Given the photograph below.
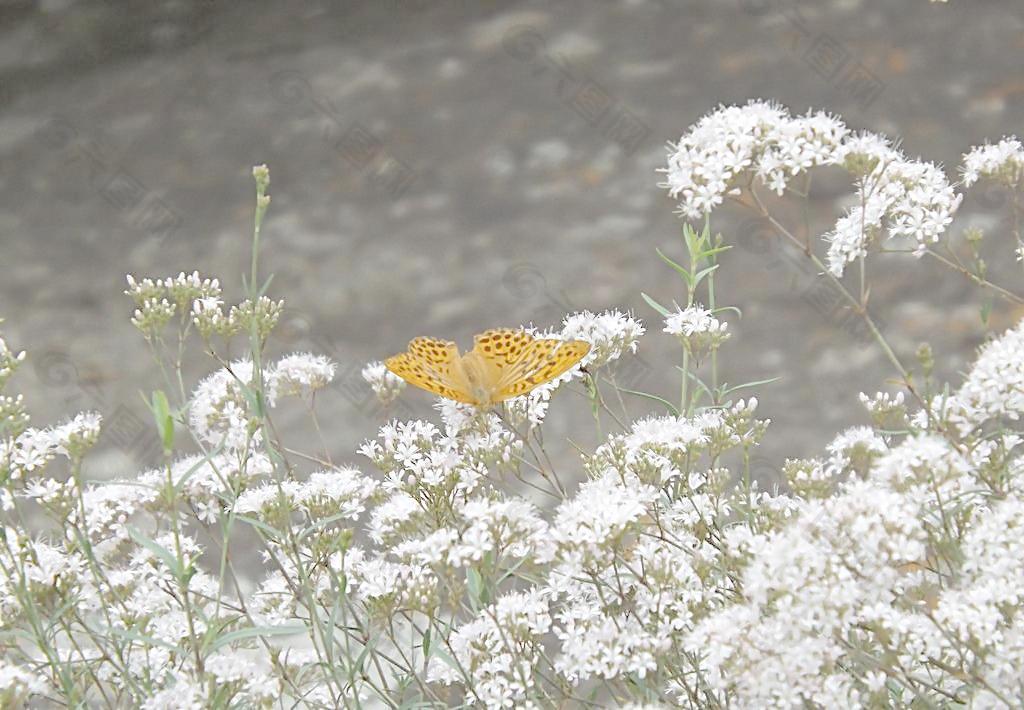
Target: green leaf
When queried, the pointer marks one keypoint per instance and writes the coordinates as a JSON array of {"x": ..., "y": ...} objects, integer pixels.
[
  {"x": 161, "y": 552},
  {"x": 986, "y": 311},
  {"x": 654, "y": 304},
  {"x": 252, "y": 398},
  {"x": 140, "y": 638},
  {"x": 358, "y": 664},
  {"x": 511, "y": 571},
  {"x": 441, "y": 653},
  {"x": 720, "y": 309},
  {"x": 257, "y": 632},
  {"x": 699, "y": 382},
  {"x": 263, "y": 289},
  {"x": 702, "y": 274},
  {"x": 161, "y": 409},
  {"x": 755, "y": 383},
  {"x": 682, "y": 271},
  {"x": 180, "y": 483},
  {"x": 426, "y": 643},
  {"x": 475, "y": 584},
  {"x": 260, "y": 525},
  {"x": 717, "y": 250},
  {"x": 656, "y": 398}
]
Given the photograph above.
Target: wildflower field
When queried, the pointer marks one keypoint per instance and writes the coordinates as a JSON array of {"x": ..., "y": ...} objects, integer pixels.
[{"x": 449, "y": 562}]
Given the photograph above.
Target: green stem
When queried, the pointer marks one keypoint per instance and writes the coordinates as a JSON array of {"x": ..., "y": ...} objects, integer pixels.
[
  {"x": 984, "y": 283},
  {"x": 843, "y": 291},
  {"x": 714, "y": 349}
]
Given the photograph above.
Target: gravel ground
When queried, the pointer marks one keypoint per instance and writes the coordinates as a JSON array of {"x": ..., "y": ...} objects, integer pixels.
[{"x": 435, "y": 172}]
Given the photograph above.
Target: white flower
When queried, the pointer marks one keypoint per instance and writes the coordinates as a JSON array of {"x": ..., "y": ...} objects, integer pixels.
[
  {"x": 182, "y": 695},
  {"x": 18, "y": 683},
  {"x": 1003, "y": 162},
  {"x": 33, "y": 449},
  {"x": 589, "y": 525},
  {"x": 338, "y": 494},
  {"x": 597, "y": 644},
  {"x": 903, "y": 197},
  {"x": 9, "y": 361},
  {"x": 219, "y": 412},
  {"x": 995, "y": 384},
  {"x": 760, "y": 137},
  {"x": 298, "y": 375},
  {"x": 888, "y": 413},
  {"x": 611, "y": 335},
  {"x": 499, "y": 649},
  {"x": 510, "y": 528},
  {"x": 384, "y": 383},
  {"x": 205, "y": 481},
  {"x": 698, "y": 329},
  {"x": 856, "y": 447}
]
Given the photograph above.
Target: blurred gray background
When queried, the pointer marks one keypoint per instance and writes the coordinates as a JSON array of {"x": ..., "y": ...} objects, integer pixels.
[{"x": 448, "y": 166}]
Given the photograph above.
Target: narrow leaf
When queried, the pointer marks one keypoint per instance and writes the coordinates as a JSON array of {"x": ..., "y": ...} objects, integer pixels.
[
  {"x": 702, "y": 274},
  {"x": 730, "y": 390},
  {"x": 475, "y": 583},
  {"x": 161, "y": 409},
  {"x": 161, "y": 552},
  {"x": 260, "y": 525},
  {"x": 257, "y": 632},
  {"x": 720, "y": 309},
  {"x": 656, "y": 398},
  {"x": 654, "y": 304},
  {"x": 682, "y": 271}
]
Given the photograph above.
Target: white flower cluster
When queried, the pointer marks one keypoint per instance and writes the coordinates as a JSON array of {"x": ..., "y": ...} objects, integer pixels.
[
  {"x": 1002, "y": 162},
  {"x": 760, "y": 139},
  {"x": 33, "y": 449},
  {"x": 384, "y": 383},
  {"x": 182, "y": 289},
  {"x": 907, "y": 198},
  {"x": 158, "y": 300},
  {"x": 203, "y": 482},
  {"x": 9, "y": 361},
  {"x": 17, "y": 684},
  {"x": 698, "y": 329},
  {"x": 611, "y": 335},
  {"x": 298, "y": 375},
  {"x": 222, "y": 408},
  {"x": 888, "y": 412},
  {"x": 220, "y": 413},
  {"x": 994, "y": 388},
  {"x": 340, "y": 494},
  {"x": 658, "y": 449},
  {"x": 498, "y": 651},
  {"x": 734, "y": 145},
  {"x": 481, "y": 527}
]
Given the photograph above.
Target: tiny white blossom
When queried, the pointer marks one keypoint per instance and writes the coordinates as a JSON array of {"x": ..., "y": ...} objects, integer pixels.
[
  {"x": 298, "y": 375},
  {"x": 384, "y": 383}
]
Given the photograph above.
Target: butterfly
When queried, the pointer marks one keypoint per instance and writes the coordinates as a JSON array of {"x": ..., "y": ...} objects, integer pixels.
[{"x": 503, "y": 363}]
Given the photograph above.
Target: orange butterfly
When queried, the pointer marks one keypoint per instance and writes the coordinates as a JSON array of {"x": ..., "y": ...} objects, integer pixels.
[{"x": 503, "y": 363}]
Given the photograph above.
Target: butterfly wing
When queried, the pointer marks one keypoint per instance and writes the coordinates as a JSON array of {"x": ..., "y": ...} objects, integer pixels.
[
  {"x": 522, "y": 362},
  {"x": 433, "y": 365}
]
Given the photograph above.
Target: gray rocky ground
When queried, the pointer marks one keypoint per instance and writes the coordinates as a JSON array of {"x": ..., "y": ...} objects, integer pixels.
[{"x": 433, "y": 173}]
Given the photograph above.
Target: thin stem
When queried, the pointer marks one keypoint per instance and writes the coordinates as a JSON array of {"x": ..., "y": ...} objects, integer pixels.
[
  {"x": 850, "y": 298},
  {"x": 984, "y": 283}
]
